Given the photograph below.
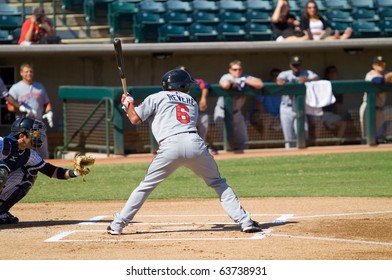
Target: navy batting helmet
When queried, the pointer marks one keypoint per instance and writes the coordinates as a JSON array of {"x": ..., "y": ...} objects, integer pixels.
[
  {"x": 177, "y": 79},
  {"x": 32, "y": 128}
]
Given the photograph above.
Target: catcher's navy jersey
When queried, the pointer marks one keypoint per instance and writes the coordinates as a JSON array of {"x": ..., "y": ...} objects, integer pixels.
[{"x": 14, "y": 158}]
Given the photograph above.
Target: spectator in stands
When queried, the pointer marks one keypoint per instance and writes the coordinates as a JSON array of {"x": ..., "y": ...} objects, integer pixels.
[
  {"x": 288, "y": 106},
  {"x": 237, "y": 81},
  {"x": 285, "y": 26},
  {"x": 34, "y": 100},
  {"x": 316, "y": 26},
  {"x": 333, "y": 114},
  {"x": 36, "y": 29},
  {"x": 378, "y": 76},
  {"x": 202, "y": 122},
  {"x": 267, "y": 107}
]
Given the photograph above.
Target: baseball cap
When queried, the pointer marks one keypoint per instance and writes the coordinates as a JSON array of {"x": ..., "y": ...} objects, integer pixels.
[
  {"x": 295, "y": 60},
  {"x": 378, "y": 59},
  {"x": 38, "y": 11}
]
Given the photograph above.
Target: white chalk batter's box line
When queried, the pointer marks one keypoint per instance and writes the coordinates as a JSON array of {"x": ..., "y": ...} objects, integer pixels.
[{"x": 282, "y": 219}]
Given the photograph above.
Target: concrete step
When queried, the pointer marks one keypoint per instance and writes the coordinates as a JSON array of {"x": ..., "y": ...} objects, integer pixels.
[{"x": 96, "y": 32}]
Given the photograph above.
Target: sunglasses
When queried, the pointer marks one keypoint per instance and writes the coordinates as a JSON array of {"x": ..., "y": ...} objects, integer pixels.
[{"x": 236, "y": 69}]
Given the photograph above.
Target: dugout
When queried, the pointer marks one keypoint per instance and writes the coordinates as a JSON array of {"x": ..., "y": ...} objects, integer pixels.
[{"x": 94, "y": 65}]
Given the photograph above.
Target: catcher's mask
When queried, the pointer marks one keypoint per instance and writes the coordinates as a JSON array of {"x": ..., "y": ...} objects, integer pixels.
[
  {"x": 34, "y": 129},
  {"x": 177, "y": 79}
]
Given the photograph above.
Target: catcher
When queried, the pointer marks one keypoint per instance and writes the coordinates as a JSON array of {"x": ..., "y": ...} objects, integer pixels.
[{"x": 20, "y": 163}]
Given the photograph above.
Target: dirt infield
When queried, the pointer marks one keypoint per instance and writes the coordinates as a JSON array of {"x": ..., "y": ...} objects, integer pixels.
[{"x": 198, "y": 229}]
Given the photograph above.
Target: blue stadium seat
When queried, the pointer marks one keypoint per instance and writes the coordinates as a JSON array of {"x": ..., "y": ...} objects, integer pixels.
[
  {"x": 206, "y": 17},
  {"x": 365, "y": 14},
  {"x": 10, "y": 22},
  {"x": 96, "y": 10},
  {"x": 384, "y": 3},
  {"x": 5, "y": 37},
  {"x": 320, "y": 5},
  {"x": 338, "y": 25},
  {"x": 120, "y": 17},
  {"x": 231, "y": 16},
  {"x": 146, "y": 24},
  {"x": 152, "y": 6},
  {"x": 386, "y": 28},
  {"x": 173, "y": 33},
  {"x": 259, "y": 5},
  {"x": 203, "y": 33},
  {"x": 385, "y": 13},
  {"x": 258, "y": 16},
  {"x": 338, "y": 15},
  {"x": 294, "y": 7},
  {"x": 205, "y": 5},
  {"x": 178, "y": 5},
  {"x": 9, "y": 9},
  {"x": 365, "y": 29},
  {"x": 178, "y": 18},
  {"x": 367, "y": 4},
  {"x": 231, "y": 32},
  {"x": 338, "y": 4},
  {"x": 258, "y": 32},
  {"x": 232, "y": 5}
]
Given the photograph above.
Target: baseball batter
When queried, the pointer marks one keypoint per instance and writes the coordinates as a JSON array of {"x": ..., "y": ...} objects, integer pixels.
[{"x": 172, "y": 114}]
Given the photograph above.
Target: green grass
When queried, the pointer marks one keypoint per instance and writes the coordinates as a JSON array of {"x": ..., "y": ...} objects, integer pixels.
[{"x": 350, "y": 174}]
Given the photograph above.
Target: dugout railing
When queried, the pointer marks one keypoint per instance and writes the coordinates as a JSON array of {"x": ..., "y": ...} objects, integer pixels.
[{"x": 86, "y": 126}]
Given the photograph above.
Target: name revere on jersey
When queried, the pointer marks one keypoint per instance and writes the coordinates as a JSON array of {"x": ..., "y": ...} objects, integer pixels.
[{"x": 169, "y": 113}]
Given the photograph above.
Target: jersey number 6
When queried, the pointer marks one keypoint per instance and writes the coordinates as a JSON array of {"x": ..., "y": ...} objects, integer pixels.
[{"x": 182, "y": 113}]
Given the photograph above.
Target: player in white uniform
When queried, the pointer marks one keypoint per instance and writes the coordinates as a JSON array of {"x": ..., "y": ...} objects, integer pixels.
[{"x": 172, "y": 114}]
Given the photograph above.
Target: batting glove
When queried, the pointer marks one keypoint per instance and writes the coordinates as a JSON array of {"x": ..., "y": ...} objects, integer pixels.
[
  {"x": 126, "y": 101},
  {"x": 49, "y": 117}
]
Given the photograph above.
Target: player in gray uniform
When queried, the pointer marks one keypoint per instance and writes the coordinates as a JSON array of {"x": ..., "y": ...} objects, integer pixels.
[
  {"x": 172, "y": 114},
  {"x": 235, "y": 79},
  {"x": 20, "y": 164},
  {"x": 33, "y": 96},
  {"x": 5, "y": 94},
  {"x": 287, "y": 105}
]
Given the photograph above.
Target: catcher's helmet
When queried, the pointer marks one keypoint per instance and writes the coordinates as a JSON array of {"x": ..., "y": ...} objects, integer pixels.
[
  {"x": 177, "y": 79},
  {"x": 32, "y": 128}
]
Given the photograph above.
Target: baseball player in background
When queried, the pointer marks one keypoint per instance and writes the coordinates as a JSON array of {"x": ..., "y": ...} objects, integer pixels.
[
  {"x": 173, "y": 115},
  {"x": 235, "y": 79},
  {"x": 33, "y": 99},
  {"x": 8, "y": 98},
  {"x": 20, "y": 164}
]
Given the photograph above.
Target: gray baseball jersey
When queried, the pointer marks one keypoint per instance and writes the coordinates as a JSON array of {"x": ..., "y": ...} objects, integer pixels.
[
  {"x": 34, "y": 96},
  {"x": 173, "y": 116}
]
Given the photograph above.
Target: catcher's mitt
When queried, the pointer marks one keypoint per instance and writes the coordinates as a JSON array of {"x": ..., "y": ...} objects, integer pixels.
[{"x": 81, "y": 162}]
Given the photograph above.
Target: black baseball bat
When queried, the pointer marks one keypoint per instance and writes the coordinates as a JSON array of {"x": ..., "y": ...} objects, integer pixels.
[{"x": 120, "y": 63}]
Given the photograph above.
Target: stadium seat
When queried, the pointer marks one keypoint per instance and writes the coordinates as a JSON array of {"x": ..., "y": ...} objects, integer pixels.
[
  {"x": 231, "y": 32},
  {"x": 340, "y": 26},
  {"x": 178, "y": 5},
  {"x": 320, "y": 5},
  {"x": 96, "y": 10},
  {"x": 259, "y": 5},
  {"x": 146, "y": 24},
  {"x": 10, "y": 22},
  {"x": 232, "y": 5},
  {"x": 367, "y": 4},
  {"x": 206, "y": 17},
  {"x": 258, "y": 16},
  {"x": 9, "y": 9},
  {"x": 5, "y": 37},
  {"x": 205, "y": 5},
  {"x": 386, "y": 28},
  {"x": 203, "y": 33},
  {"x": 365, "y": 14},
  {"x": 173, "y": 33},
  {"x": 385, "y": 13},
  {"x": 338, "y": 15},
  {"x": 71, "y": 5},
  {"x": 338, "y": 4},
  {"x": 294, "y": 7},
  {"x": 235, "y": 17},
  {"x": 120, "y": 17},
  {"x": 258, "y": 31},
  {"x": 178, "y": 18},
  {"x": 365, "y": 29},
  {"x": 384, "y": 3},
  {"x": 152, "y": 6}
]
